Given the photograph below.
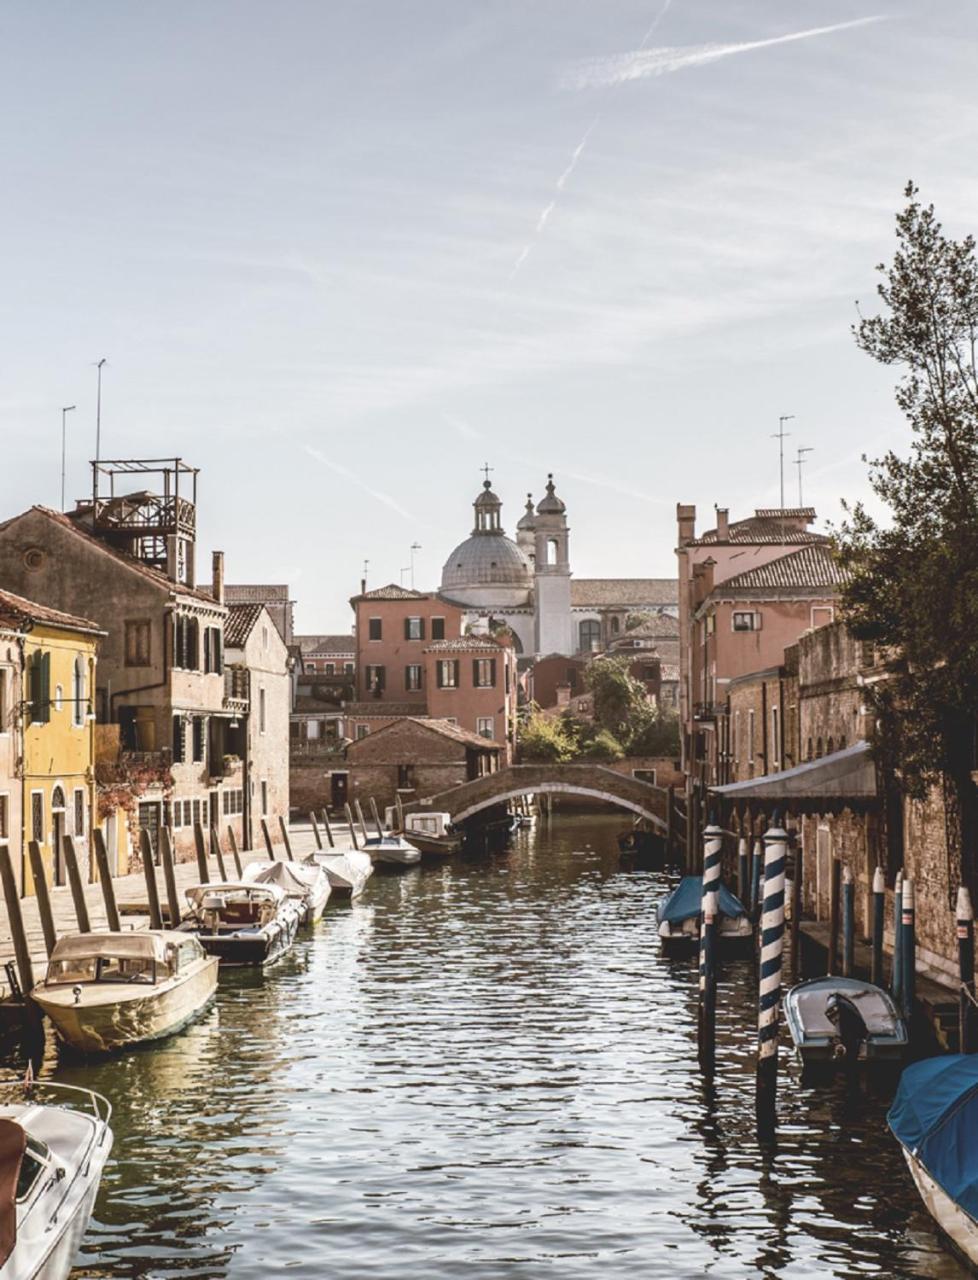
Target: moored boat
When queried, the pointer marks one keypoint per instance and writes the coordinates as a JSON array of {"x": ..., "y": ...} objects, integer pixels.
[
  {"x": 107, "y": 991},
  {"x": 241, "y": 923},
  {"x": 934, "y": 1117},
  {"x": 391, "y": 851},
  {"x": 51, "y": 1162},
  {"x": 305, "y": 883},
  {"x": 432, "y": 834},
  {"x": 639, "y": 843},
  {"x": 346, "y": 872},
  {"x": 678, "y": 916},
  {"x": 844, "y": 1019}
]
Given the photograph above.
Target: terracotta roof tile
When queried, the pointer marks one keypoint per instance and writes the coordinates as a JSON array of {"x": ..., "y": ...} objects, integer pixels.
[
  {"x": 624, "y": 591},
  {"x": 392, "y": 592},
  {"x": 442, "y": 727},
  {"x": 317, "y": 646},
  {"x": 764, "y": 526},
  {"x": 239, "y": 622},
  {"x": 812, "y": 567},
  {"x": 17, "y": 612}
]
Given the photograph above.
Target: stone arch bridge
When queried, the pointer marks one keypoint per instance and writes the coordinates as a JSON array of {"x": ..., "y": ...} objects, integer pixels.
[{"x": 591, "y": 780}]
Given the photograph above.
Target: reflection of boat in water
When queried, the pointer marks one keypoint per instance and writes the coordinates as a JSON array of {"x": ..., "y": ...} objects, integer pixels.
[
  {"x": 934, "y": 1117},
  {"x": 51, "y": 1162},
  {"x": 106, "y": 991},
  {"x": 306, "y": 884},
  {"x": 347, "y": 872},
  {"x": 242, "y": 923},
  {"x": 678, "y": 916},
  {"x": 835, "y": 1019}
]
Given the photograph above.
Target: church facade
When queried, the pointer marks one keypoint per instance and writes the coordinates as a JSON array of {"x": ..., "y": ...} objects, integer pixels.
[{"x": 527, "y": 584}]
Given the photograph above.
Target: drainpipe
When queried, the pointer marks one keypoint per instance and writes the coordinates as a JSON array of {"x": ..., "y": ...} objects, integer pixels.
[{"x": 764, "y": 733}]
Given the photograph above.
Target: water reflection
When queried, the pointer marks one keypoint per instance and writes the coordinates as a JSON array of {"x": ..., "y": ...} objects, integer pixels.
[{"x": 488, "y": 1066}]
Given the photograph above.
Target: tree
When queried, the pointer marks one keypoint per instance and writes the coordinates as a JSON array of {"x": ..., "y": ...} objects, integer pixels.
[
  {"x": 913, "y": 582},
  {"x": 616, "y": 696},
  {"x": 545, "y": 739},
  {"x": 658, "y": 737},
  {"x": 602, "y": 747}
]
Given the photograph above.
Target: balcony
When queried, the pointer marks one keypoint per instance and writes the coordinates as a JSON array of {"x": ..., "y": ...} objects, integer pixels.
[
  {"x": 708, "y": 712},
  {"x": 237, "y": 690}
]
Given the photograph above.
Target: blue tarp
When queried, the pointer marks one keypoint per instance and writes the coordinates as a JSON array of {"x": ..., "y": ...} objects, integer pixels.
[
  {"x": 686, "y": 900},
  {"x": 935, "y": 1115}
]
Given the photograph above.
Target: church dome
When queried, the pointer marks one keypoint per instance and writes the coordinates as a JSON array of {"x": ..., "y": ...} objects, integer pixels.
[
  {"x": 486, "y": 559},
  {"x": 526, "y": 520}
]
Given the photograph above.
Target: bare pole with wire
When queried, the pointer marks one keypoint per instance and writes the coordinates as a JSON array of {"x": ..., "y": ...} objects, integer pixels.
[
  {"x": 415, "y": 546},
  {"x": 799, "y": 463},
  {"x": 98, "y": 412},
  {"x": 68, "y": 408},
  {"x": 781, "y": 435}
]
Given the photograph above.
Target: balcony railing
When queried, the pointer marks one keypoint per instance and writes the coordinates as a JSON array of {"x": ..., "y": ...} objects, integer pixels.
[
  {"x": 706, "y": 711},
  {"x": 237, "y": 689}
]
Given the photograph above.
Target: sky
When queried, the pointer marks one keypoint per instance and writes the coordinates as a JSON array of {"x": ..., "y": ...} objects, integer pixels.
[{"x": 339, "y": 255}]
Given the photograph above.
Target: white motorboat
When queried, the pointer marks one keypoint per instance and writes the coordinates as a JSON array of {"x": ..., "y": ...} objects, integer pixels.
[
  {"x": 833, "y": 1019},
  {"x": 305, "y": 884},
  {"x": 432, "y": 834},
  {"x": 391, "y": 851},
  {"x": 241, "y": 923},
  {"x": 347, "y": 872},
  {"x": 106, "y": 991},
  {"x": 51, "y": 1162}
]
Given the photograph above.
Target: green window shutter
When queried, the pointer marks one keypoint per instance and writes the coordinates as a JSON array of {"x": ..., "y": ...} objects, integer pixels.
[
  {"x": 407, "y": 628},
  {"x": 492, "y": 672},
  {"x": 439, "y": 675},
  {"x": 475, "y": 673},
  {"x": 208, "y": 633},
  {"x": 45, "y": 689},
  {"x": 422, "y": 628}
]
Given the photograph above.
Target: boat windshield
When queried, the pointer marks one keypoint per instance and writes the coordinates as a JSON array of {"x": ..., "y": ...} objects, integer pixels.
[
  {"x": 36, "y": 1159},
  {"x": 101, "y": 969}
]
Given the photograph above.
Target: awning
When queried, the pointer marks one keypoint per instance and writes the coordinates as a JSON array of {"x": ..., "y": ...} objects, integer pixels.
[{"x": 849, "y": 774}]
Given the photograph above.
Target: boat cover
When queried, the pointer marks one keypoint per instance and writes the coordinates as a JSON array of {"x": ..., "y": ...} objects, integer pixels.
[
  {"x": 935, "y": 1116},
  {"x": 296, "y": 878},
  {"x": 686, "y": 901},
  {"x": 232, "y": 890},
  {"x": 135, "y": 945}
]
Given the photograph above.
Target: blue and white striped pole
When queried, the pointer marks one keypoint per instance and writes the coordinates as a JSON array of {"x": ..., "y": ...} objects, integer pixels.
[
  {"x": 772, "y": 948},
  {"x": 755, "y": 881},
  {"x": 709, "y": 924}
]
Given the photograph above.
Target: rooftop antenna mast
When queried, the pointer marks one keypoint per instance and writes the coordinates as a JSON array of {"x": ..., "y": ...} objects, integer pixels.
[
  {"x": 799, "y": 463},
  {"x": 363, "y": 580},
  {"x": 415, "y": 546},
  {"x": 69, "y": 408},
  {"x": 781, "y": 435},
  {"x": 98, "y": 412}
]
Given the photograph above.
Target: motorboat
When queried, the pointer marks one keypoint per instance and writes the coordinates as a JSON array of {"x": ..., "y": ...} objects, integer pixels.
[
  {"x": 305, "y": 883},
  {"x": 391, "y": 850},
  {"x": 934, "y": 1117},
  {"x": 678, "y": 916},
  {"x": 108, "y": 991},
  {"x": 347, "y": 872},
  {"x": 432, "y": 834},
  {"x": 639, "y": 843},
  {"x": 242, "y": 923},
  {"x": 844, "y": 1020},
  {"x": 52, "y": 1155}
]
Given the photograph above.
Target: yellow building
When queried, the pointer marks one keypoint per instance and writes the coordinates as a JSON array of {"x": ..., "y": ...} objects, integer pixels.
[{"x": 54, "y": 718}]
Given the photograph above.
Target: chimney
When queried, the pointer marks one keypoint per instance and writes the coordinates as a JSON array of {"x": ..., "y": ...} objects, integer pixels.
[
  {"x": 363, "y": 586},
  {"x": 723, "y": 523},
  {"x": 217, "y": 589},
  {"x": 686, "y": 519}
]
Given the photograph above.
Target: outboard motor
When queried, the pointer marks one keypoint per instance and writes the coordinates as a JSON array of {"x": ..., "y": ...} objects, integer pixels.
[{"x": 848, "y": 1021}]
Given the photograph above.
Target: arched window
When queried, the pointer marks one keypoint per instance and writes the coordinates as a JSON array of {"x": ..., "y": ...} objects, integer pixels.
[
  {"x": 590, "y": 635},
  {"x": 818, "y": 749},
  {"x": 78, "y": 692},
  {"x": 809, "y": 756},
  {"x": 615, "y": 625},
  {"x": 830, "y": 746}
]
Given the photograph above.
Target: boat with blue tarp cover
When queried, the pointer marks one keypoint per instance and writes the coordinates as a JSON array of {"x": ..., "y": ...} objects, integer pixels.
[
  {"x": 678, "y": 915},
  {"x": 934, "y": 1117}
]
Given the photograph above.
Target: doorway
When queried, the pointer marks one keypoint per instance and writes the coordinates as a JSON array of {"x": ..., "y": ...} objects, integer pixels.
[
  {"x": 57, "y": 834},
  {"x": 339, "y": 784}
]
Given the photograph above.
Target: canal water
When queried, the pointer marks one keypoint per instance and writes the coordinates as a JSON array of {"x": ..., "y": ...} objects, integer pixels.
[{"x": 486, "y": 1069}]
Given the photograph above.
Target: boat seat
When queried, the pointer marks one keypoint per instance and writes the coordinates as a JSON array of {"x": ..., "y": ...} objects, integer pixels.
[
  {"x": 13, "y": 1142},
  {"x": 873, "y": 1010}
]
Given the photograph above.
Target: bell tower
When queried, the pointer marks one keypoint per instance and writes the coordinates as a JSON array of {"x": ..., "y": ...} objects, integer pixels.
[{"x": 554, "y": 627}]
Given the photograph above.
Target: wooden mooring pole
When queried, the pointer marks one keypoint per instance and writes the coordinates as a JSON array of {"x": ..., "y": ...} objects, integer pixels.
[
  {"x": 376, "y": 817},
  {"x": 43, "y": 896},
  {"x": 797, "y": 883},
  {"x": 149, "y": 871},
  {"x": 216, "y": 853},
  {"x": 896, "y": 974},
  {"x": 233, "y": 846},
  {"x": 670, "y": 820},
  {"x": 879, "y": 918},
  {"x": 848, "y": 921},
  {"x": 315, "y": 831},
  {"x": 363, "y": 826},
  {"x": 965, "y": 929},
  {"x": 353, "y": 831},
  {"x": 835, "y": 907},
  {"x": 328, "y": 829},
  {"x": 769, "y": 994},
  {"x": 908, "y": 916},
  {"x": 743, "y": 871},
  {"x": 75, "y": 881},
  {"x": 105, "y": 880},
  {"x": 267, "y": 837},
  {"x": 169, "y": 879},
  {"x": 201, "y": 851},
  {"x": 18, "y": 934},
  {"x": 283, "y": 826},
  {"x": 709, "y": 923}
]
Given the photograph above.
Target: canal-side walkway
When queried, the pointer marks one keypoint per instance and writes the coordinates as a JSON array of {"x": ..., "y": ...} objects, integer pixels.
[{"x": 130, "y": 895}]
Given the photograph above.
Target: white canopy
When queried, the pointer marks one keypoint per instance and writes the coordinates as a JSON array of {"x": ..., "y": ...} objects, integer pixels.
[
  {"x": 294, "y": 878},
  {"x": 236, "y": 889},
  {"x": 141, "y": 945}
]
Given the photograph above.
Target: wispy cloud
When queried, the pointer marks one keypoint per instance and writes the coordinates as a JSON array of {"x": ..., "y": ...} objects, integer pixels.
[
  {"x": 641, "y": 64},
  {"x": 377, "y": 494}
]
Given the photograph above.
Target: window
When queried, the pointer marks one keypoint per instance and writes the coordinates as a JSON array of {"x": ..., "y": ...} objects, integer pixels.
[
  {"x": 138, "y": 643},
  {"x": 79, "y": 814},
  {"x": 750, "y": 738},
  {"x": 484, "y": 673},
  {"x": 37, "y": 816},
  {"x": 746, "y": 621},
  {"x": 405, "y": 777},
  {"x": 414, "y": 628},
  {"x": 4, "y": 816},
  {"x": 199, "y": 725},
  {"x": 264, "y": 637},
  {"x": 264, "y": 797},
  {"x": 375, "y": 680},
  {"x": 78, "y": 693},
  {"x": 58, "y": 697},
  {"x": 177, "y": 814},
  {"x": 4, "y": 727},
  {"x": 188, "y": 813},
  {"x": 213, "y": 651},
  {"x": 348, "y": 669},
  {"x": 644, "y": 775},
  {"x": 589, "y": 632},
  {"x": 412, "y": 678},
  {"x": 822, "y": 615},
  {"x": 438, "y": 628},
  {"x": 484, "y": 727},
  {"x": 446, "y": 670},
  {"x": 776, "y": 737},
  {"x": 362, "y": 731},
  {"x": 375, "y": 629},
  {"x": 330, "y": 669},
  {"x": 39, "y": 684},
  {"x": 179, "y": 740},
  {"x": 186, "y": 643},
  {"x": 615, "y": 625},
  {"x": 261, "y": 711}
]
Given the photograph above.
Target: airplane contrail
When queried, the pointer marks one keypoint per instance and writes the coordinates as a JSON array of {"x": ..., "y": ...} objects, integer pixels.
[
  {"x": 641, "y": 64},
  {"x": 576, "y": 154},
  {"x": 377, "y": 494}
]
